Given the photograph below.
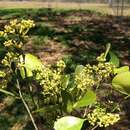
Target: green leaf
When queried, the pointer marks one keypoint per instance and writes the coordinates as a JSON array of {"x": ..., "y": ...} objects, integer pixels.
[
  {"x": 114, "y": 59},
  {"x": 108, "y": 46},
  {"x": 69, "y": 106},
  {"x": 121, "y": 82},
  {"x": 31, "y": 63},
  {"x": 67, "y": 101},
  {"x": 25, "y": 72},
  {"x": 121, "y": 69},
  {"x": 79, "y": 69},
  {"x": 2, "y": 74},
  {"x": 88, "y": 99},
  {"x": 69, "y": 123},
  {"x": 65, "y": 81}
]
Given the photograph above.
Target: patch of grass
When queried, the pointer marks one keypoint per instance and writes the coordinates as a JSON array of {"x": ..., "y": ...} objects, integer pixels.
[
  {"x": 39, "y": 40},
  {"x": 43, "y": 30}
]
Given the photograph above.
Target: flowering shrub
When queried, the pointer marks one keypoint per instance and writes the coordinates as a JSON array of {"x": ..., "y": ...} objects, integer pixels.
[{"x": 59, "y": 91}]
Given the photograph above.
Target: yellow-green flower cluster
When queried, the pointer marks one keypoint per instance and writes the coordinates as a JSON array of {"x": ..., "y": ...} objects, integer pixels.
[
  {"x": 60, "y": 65},
  {"x": 11, "y": 28},
  {"x": 12, "y": 39},
  {"x": 84, "y": 80},
  {"x": 8, "y": 43},
  {"x": 100, "y": 117},
  {"x": 13, "y": 43},
  {"x": 101, "y": 58},
  {"x": 50, "y": 79},
  {"x": 25, "y": 25},
  {"x": 9, "y": 58},
  {"x": 15, "y": 32},
  {"x": 103, "y": 70},
  {"x": 19, "y": 27},
  {"x": 92, "y": 75}
]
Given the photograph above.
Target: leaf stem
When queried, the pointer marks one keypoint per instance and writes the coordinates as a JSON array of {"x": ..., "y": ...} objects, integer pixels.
[
  {"x": 94, "y": 127},
  {"x": 26, "y": 106}
]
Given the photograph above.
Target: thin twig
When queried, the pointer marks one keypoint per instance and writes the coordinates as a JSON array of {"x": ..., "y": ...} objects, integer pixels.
[
  {"x": 31, "y": 95},
  {"x": 85, "y": 112},
  {"x": 94, "y": 127},
  {"x": 26, "y": 106}
]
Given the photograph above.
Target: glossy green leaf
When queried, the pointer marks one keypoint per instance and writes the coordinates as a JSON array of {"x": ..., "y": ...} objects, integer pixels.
[
  {"x": 121, "y": 69},
  {"x": 69, "y": 123},
  {"x": 31, "y": 63},
  {"x": 114, "y": 59},
  {"x": 25, "y": 72},
  {"x": 88, "y": 99},
  {"x": 121, "y": 82},
  {"x": 79, "y": 69}
]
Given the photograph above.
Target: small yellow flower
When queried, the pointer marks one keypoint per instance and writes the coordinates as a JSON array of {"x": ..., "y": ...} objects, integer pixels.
[
  {"x": 100, "y": 117},
  {"x": 8, "y": 43}
]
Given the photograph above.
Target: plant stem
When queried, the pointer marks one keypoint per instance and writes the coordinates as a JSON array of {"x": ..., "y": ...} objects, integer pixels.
[
  {"x": 85, "y": 112},
  {"x": 26, "y": 106},
  {"x": 94, "y": 127},
  {"x": 31, "y": 95}
]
